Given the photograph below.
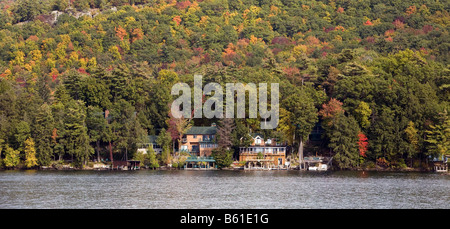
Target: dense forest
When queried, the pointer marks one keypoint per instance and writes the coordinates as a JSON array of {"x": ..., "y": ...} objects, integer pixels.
[{"x": 371, "y": 76}]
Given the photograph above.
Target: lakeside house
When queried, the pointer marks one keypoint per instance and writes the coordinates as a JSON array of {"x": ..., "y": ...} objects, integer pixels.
[
  {"x": 150, "y": 142},
  {"x": 198, "y": 142},
  {"x": 440, "y": 164},
  {"x": 317, "y": 163},
  {"x": 263, "y": 153}
]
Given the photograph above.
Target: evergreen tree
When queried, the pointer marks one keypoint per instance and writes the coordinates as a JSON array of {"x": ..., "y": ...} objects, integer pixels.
[
  {"x": 241, "y": 134},
  {"x": 119, "y": 83},
  {"x": 42, "y": 133},
  {"x": 77, "y": 138},
  {"x": 304, "y": 116},
  {"x": 22, "y": 133},
  {"x": 343, "y": 137},
  {"x": 126, "y": 128},
  {"x": 438, "y": 137},
  {"x": 223, "y": 157},
  {"x": 97, "y": 126},
  {"x": 59, "y": 130},
  {"x": 95, "y": 93},
  {"x": 73, "y": 84},
  {"x": 27, "y": 10},
  {"x": 43, "y": 88},
  {"x": 386, "y": 137}
]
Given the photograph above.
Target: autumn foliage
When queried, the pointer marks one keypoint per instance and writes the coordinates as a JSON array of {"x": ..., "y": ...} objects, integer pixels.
[
  {"x": 363, "y": 144},
  {"x": 330, "y": 110}
]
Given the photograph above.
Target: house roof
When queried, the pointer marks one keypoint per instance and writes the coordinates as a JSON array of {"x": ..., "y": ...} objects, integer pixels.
[
  {"x": 254, "y": 135},
  {"x": 151, "y": 139},
  {"x": 202, "y": 130}
]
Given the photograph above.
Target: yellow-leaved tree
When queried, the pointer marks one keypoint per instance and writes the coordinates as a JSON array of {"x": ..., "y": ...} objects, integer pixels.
[{"x": 30, "y": 153}]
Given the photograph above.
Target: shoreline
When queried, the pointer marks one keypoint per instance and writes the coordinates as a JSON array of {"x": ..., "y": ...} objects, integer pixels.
[{"x": 68, "y": 168}]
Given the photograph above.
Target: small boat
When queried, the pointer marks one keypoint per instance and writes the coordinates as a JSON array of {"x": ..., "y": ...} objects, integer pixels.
[
  {"x": 313, "y": 168},
  {"x": 321, "y": 167}
]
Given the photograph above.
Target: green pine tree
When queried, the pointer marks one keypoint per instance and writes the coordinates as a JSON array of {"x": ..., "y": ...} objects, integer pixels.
[
  {"x": 343, "y": 137},
  {"x": 438, "y": 137},
  {"x": 42, "y": 133},
  {"x": 77, "y": 138}
]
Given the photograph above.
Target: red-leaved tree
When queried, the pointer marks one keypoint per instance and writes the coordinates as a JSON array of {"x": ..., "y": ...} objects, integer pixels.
[
  {"x": 330, "y": 110},
  {"x": 363, "y": 144}
]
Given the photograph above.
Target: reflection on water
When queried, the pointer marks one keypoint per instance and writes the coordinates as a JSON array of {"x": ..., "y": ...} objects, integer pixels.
[{"x": 222, "y": 189}]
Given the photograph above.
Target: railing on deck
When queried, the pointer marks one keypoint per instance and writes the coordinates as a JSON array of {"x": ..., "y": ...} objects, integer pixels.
[{"x": 200, "y": 158}]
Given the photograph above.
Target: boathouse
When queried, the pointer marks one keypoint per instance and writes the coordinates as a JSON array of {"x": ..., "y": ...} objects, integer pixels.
[
  {"x": 317, "y": 163},
  {"x": 199, "y": 163},
  {"x": 440, "y": 164},
  {"x": 126, "y": 165}
]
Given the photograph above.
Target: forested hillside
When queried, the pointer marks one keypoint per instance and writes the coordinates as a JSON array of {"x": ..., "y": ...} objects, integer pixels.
[{"x": 374, "y": 75}]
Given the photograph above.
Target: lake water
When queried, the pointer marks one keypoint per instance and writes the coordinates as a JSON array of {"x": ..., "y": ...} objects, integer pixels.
[{"x": 222, "y": 189}]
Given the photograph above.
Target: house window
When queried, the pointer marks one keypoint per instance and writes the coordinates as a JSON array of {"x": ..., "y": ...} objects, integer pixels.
[
  {"x": 195, "y": 136},
  {"x": 258, "y": 140}
]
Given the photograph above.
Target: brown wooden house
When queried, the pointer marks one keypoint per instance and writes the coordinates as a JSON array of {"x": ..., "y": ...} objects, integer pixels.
[
  {"x": 263, "y": 153},
  {"x": 199, "y": 140}
]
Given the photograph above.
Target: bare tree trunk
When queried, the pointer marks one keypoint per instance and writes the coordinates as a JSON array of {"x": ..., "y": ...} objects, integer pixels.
[
  {"x": 300, "y": 153},
  {"x": 98, "y": 150},
  {"x": 110, "y": 152}
]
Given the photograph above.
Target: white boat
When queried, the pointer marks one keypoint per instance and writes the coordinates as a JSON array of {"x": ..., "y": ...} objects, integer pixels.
[
  {"x": 313, "y": 168},
  {"x": 321, "y": 167}
]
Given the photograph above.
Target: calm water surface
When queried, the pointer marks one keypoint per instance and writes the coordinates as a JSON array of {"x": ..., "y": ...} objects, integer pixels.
[{"x": 222, "y": 189}]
